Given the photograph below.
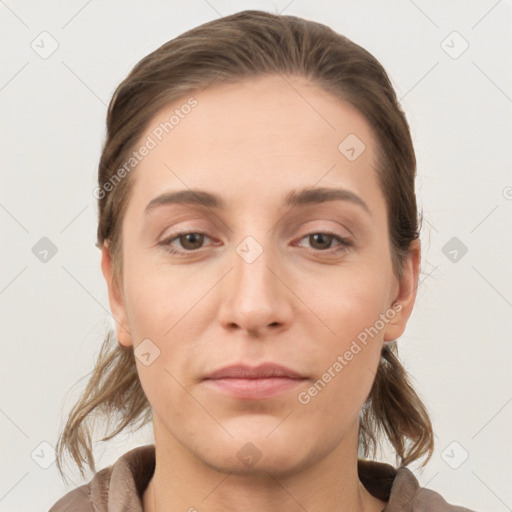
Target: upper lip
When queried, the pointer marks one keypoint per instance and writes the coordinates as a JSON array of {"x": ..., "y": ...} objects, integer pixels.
[{"x": 264, "y": 370}]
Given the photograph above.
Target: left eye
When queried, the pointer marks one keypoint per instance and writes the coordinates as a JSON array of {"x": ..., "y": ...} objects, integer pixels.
[{"x": 325, "y": 239}]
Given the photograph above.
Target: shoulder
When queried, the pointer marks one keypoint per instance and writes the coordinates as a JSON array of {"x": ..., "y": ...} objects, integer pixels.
[
  {"x": 114, "y": 488},
  {"x": 408, "y": 495},
  {"x": 400, "y": 489},
  {"x": 90, "y": 497}
]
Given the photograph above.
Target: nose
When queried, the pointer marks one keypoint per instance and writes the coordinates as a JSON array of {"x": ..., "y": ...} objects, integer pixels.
[{"x": 254, "y": 295}]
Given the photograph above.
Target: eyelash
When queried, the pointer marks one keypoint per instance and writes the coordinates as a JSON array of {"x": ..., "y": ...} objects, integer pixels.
[{"x": 345, "y": 244}]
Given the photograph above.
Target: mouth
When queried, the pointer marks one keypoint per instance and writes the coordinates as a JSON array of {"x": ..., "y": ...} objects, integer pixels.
[{"x": 245, "y": 382}]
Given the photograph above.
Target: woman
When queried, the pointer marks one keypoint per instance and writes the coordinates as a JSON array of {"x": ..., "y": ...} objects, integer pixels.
[{"x": 260, "y": 243}]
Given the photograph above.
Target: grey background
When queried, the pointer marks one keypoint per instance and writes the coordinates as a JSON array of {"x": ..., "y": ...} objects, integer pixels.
[{"x": 54, "y": 312}]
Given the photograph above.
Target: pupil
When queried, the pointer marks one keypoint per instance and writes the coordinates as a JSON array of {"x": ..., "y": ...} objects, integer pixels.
[
  {"x": 321, "y": 235},
  {"x": 191, "y": 238}
]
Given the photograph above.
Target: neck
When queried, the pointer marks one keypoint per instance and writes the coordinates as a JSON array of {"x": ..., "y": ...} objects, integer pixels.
[{"x": 182, "y": 482}]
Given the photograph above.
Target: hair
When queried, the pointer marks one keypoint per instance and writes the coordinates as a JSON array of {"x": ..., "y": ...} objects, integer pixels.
[{"x": 244, "y": 46}]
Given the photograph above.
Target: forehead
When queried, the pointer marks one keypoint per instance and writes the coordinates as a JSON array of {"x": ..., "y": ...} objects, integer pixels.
[{"x": 255, "y": 141}]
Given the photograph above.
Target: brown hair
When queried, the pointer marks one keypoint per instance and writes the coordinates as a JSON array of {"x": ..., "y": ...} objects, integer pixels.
[{"x": 242, "y": 46}]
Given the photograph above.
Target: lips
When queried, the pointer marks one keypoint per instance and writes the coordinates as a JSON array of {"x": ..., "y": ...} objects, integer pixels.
[
  {"x": 265, "y": 381},
  {"x": 265, "y": 370}
]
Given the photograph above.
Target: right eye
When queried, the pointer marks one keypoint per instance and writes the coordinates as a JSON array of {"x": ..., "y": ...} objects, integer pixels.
[{"x": 191, "y": 241}]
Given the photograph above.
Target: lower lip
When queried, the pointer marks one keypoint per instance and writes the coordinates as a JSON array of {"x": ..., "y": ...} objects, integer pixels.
[{"x": 254, "y": 388}]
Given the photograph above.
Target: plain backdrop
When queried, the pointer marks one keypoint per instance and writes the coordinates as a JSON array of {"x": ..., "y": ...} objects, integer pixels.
[{"x": 450, "y": 63}]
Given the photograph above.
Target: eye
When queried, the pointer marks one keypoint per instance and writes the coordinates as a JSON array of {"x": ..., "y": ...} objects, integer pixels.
[
  {"x": 190, "y": 241},
  {"x": 322, "y": 241}
]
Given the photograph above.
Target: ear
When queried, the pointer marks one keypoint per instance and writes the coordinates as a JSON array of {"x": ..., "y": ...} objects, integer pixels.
[
  {"x": 115, "y": 298},
  {"x": 406, "y": 295}
]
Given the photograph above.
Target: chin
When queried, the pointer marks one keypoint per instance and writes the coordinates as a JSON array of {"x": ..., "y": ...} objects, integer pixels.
[
  {"x": 256, "y": 454},
  {"x": 277, "y": 465}
]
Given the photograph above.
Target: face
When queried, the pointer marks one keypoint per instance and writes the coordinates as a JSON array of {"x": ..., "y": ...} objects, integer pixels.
[{"x": 255, "y": 279}]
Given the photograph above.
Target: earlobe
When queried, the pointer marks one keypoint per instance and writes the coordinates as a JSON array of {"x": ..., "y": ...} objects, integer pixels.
[
  {"x": 115, "y": 298},
  {"x": 406, "y": 297}
]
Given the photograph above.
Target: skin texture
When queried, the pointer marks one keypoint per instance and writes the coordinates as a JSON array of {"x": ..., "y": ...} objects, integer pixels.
[{"x": 299, "y": 304}]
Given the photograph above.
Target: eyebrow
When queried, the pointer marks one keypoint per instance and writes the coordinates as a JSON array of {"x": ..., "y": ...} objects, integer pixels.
[{"x": 302, "y": 197}]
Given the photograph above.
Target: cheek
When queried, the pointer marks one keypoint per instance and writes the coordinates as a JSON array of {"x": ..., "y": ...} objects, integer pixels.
[
  {"x": 155, "y": 298},
  {"x": 162, "y": 307},
  {"x": 346, "y": 363},
  {"x": 353, "y": 301},
  {"x": 164, "y": 316},
  {"x": 349, "y": 354},
  {"x": 338, "y": 402}
]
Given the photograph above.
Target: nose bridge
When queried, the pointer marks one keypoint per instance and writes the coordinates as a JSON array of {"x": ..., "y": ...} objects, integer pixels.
[{"x": 253, "y": 297}]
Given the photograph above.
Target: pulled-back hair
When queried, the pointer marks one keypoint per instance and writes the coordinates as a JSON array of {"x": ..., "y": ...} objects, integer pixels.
[{"x": 245, "y": 45}]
